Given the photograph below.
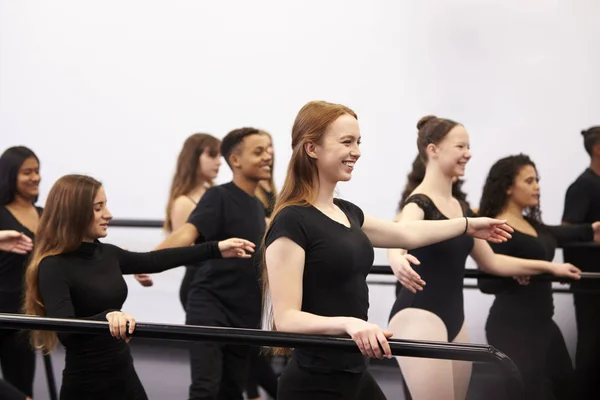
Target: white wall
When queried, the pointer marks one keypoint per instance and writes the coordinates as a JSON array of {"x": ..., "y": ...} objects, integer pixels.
[{"x": 112, "y": 89}]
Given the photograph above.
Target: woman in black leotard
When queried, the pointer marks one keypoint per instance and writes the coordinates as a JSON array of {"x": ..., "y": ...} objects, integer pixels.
[
  {"x": 430, "y": 305},
  {"x": 197, "y": 166},
  {"x": 72, "y": 275},
  {"x": 319, "y": 250},
  {"x": 520, "y": 321}
]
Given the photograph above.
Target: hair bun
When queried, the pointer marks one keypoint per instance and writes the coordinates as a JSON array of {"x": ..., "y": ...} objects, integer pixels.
[
  {"x": 583, "y": 132},
  {"x": 423, "y": 121}
]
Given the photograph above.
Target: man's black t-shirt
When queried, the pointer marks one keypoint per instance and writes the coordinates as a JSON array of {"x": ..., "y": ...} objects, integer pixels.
[
  {"x": 582, "y": 205},
  {"x": 337, "y": 261},
  {"x": 227, "y": 292}
]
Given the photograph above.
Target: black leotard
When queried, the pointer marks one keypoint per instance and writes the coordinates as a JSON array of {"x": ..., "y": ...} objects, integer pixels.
[{"x": 442, "y": 268}]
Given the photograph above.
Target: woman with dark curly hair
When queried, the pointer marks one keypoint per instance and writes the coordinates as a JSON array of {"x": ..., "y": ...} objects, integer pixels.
[{"x": 520, "y": 322}]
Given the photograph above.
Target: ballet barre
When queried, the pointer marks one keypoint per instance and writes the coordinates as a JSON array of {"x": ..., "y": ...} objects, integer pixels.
[
  {"x": 408, "y": 348},
  {"x": 477, "y": 274}
]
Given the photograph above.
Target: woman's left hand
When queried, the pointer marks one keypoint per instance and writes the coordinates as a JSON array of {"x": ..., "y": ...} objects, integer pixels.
[
  {"x": 490, "y": 229},
  {"x": 236, "y": 248}
]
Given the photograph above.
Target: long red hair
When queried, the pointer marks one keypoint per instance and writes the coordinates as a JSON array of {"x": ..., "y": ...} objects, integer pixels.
[{"x": 301, "y": 183}]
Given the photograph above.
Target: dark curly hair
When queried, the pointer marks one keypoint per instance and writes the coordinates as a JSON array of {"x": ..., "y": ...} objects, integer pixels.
[
  {"x": 416, "y": 176},
  {"x": 500, "y": 178}
]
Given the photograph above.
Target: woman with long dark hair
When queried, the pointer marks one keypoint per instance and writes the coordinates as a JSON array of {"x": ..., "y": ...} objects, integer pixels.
[
  {"x": 73, "y": 275},
  {"x": 520, "y": 321},
  {"x": 19, "y": 190}
]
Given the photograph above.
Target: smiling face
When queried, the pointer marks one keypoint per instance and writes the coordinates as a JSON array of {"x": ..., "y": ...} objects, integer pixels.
[
  {"x": 452, "y": 153},
  {"x": 102, "y": 216},
  {"x": 525, "y": 190},
  {"x": 339, "y": 150},
  {"x": 28, "y": 179},
  {"x": 252, "y": 157}
]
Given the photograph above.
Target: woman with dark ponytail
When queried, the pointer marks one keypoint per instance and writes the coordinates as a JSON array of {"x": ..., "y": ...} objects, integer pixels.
[{"x": 436, "y": 311}]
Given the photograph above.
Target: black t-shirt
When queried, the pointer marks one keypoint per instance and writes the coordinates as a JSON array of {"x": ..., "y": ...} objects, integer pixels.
[
  {"x": 88, "y": 284},
  {"x": 12, "y": 266},
  {"x": 227, "y": 292},
  {"x": 582, "y": 205},
  {"x": 533, "y": 301},
  {"x": 337, "y": 261}
]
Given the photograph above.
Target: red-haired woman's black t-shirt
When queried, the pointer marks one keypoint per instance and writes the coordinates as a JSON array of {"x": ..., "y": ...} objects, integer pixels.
[{"x": 337, "y": 261}]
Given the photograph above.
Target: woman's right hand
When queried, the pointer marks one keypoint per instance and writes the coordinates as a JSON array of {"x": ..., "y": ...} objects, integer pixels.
[
  {"x": 236, "y": 248},
  {"x": 404, "y": 272},
  {"x": 117, "y": 323},
  {"x": 369, "y": 337},
  {"x": 566, "y": 270}
]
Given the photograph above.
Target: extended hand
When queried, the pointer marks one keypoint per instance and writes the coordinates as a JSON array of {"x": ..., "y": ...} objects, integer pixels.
[
  {"x": 236, "y": 248},
  {"x": 567, "y": 270},
  {"x": 15, "y": 242},
  {"x": 144, "y": 279},
  {"x": 490, "y": 229}
]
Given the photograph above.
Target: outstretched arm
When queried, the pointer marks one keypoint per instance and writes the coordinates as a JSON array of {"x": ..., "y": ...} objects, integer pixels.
[
  {"x": 502, "y": 265},
  {"x": 162, "y": 260},
  {"x": 413, "y": 234}
]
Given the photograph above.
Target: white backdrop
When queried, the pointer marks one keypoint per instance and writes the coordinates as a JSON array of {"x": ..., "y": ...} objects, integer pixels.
[{"x": 112, "y": 89}]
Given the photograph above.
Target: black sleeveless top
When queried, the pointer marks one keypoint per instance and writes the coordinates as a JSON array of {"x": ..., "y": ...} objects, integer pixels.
[{"x": 442, "y": 268}]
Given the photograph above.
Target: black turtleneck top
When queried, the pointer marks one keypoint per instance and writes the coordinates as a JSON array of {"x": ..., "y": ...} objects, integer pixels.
[{"x": 88, "y": 284}]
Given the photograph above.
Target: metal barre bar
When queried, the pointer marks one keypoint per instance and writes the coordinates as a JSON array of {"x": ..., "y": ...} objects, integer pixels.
[
  {"x": 409, "y": 348},
  {"x": 476, "y": 274}
]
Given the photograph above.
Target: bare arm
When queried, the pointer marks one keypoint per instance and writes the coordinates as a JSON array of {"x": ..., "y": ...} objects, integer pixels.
[
  {"x": 285, "y": 269},
  {"x": 180, "y": 211},
  {"x": 410, "y": 212},
  {"x": 186, "y": 235},
  {"x": 413, "y": 234},
  {"x": 502, "y": 265},
  {"x": 399, "y": 259}
]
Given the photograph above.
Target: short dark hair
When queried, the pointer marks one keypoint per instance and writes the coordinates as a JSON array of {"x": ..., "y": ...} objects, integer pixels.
[
  {"x": 232, "y": 140},
  {"x": 591, "y": 137},
  {"x": 10, "y": 163}
]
